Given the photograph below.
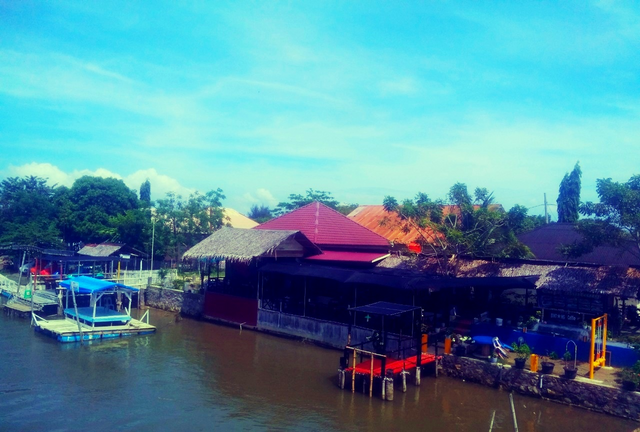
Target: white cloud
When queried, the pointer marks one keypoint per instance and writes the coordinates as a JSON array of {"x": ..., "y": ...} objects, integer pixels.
[
  {"x": 260, "y": 196},
  {"x": 160, "y": 183}
]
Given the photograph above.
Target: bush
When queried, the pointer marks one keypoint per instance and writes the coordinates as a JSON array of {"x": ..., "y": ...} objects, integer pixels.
[{"x": 522, "y": 350}]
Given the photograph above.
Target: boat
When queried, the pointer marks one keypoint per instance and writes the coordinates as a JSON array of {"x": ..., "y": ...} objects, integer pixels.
[{"x": 101, "y": 319}]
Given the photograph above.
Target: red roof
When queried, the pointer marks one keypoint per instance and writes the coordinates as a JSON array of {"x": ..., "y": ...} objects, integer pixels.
[
  {"x": 364, "y": 257},
  {"x": 327, "y": 227},
  {"x": 390, "y": 226}
]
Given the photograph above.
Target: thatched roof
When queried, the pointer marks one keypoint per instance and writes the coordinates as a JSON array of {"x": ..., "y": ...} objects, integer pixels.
[
  {"x": 237, "y": 244},
  {"x": 614, "y": 280}
]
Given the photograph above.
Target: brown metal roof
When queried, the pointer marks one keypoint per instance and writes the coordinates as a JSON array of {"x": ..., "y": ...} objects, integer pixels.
[{"x": 389, "y": 225}]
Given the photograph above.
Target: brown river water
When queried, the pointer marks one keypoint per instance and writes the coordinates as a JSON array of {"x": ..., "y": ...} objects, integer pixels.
[{"x": 199, "y": 376}]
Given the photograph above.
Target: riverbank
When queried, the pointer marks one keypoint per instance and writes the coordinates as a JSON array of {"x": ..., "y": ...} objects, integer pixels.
[{"x": 582, "y": 393}]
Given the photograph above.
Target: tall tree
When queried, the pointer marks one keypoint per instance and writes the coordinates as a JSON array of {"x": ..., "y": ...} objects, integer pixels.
[
  {"x": 614, "y": 221},
  {"x": 480, "y": 230},
  {"x": 145, "y": 193},
  {"x": 298, "y": 200},
  {"x": 27, "y": 212},
  {"x": 181, "y": 223},
  {"x": 569, "y": 196},
  {"x": 88, "y": 208},
  {"x": 260, "y": 213}
]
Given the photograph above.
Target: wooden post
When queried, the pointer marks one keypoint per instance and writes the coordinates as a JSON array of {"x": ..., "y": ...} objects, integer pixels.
[
  {"x": 353, "y": 373},
  {"x": 371, "y": 378},
  {"x": 403, "y": 375},
  {"x": 388, "y": 383},
  {"x": 513, "y": 412}
]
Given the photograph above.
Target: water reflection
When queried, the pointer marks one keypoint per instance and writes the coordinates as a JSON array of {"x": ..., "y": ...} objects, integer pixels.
[{"x": 198, "y": 376}]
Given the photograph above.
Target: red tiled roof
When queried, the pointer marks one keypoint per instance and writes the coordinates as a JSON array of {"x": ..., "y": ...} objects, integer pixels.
[
  {"x": 327, "y": 227},
  {"x": 363, "y": 257}
]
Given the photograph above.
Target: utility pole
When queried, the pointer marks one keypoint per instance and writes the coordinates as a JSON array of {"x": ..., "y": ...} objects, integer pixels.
[
  {"x": 546, "y": 213},
  {"x": 153, "y": 238}
]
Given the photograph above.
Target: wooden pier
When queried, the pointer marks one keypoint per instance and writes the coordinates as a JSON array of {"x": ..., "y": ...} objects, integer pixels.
[
  {"x": 17, "y": 309},
  {"x": 66, "y": 330}
]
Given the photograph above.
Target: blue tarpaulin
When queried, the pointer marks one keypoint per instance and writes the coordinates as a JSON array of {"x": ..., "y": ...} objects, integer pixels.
[{"x": 89, "y": 285}]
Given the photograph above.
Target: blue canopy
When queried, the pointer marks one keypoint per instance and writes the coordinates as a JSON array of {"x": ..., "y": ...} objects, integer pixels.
[{"x": 89, "y": 285}]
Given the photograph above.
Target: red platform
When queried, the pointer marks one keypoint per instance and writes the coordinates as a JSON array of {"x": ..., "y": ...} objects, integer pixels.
[{"x": 395, "y": 365}]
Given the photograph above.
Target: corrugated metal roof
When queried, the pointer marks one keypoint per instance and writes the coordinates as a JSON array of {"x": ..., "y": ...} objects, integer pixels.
[
  {"x": 100, "y": 250},
  {"x": 391, "y": 227},
  {"x": 388, "y": 225},
  {"x": 236, "y": 219},
  {"x": 546, "y": 240},
  {"x": 327, "y": 227},
  {"x": 360, "y": 257}
]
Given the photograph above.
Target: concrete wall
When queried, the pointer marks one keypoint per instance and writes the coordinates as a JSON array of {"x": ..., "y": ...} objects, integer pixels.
[
  {"x": 596, "y": 397},
  {"x": 171, "y": 300}
]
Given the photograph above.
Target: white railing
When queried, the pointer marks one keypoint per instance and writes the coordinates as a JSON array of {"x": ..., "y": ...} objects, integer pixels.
[
  {"x": 35, "y": 319},
  {"x": 145, "y": 317}
]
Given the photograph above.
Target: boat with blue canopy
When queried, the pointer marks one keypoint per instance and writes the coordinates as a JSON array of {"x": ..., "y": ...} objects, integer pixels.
[{"x": 101, "y": 319}]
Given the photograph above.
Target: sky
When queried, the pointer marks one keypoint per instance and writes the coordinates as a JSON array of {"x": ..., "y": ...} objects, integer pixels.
[{"x": 363, "y": 99}]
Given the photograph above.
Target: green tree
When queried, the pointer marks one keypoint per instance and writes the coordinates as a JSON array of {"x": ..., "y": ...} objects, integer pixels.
[
  {"x": 569, "y": 196},
  {"x": 180, "y": 224},
  {"x": 297, "y": 201},
  {"x": 345, "y": 209},
  {"x": 480, "y": 230},
  {"x": 27, "y": 212},
  {"x": 145, "y": 193},
  {"x": 614, "y": 221},
  {"x": 91, "y": 207},
  {"x": 259, "y": 213},
  {"x": 521, "y": 222}
]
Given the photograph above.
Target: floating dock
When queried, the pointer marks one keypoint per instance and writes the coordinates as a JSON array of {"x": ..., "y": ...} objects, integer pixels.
[
  {"x": 66, "y": 330},
  {"x": 17, "y": 309},
  {"x": 397, "y": 366}
]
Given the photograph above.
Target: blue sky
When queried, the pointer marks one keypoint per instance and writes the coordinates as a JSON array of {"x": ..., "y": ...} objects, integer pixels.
[{"x": 363, "y": 99}]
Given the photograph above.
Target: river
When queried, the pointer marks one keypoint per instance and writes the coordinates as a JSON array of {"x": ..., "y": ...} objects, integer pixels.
[{"x": 199, "y": 376}]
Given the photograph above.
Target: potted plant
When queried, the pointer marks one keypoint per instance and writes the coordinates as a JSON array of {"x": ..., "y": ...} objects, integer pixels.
[
  {"x": 570, "y": 371},
  {"x": 629, "y": 379},
  {"x": 494, "y": 358},
  {"x": 547, "y": 366},
  {"x": 522, "y": 351},
  {"x": 532, "y": 323}
]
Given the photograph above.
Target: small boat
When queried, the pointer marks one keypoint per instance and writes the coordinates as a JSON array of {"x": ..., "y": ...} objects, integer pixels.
[{"x": 100, "y": 319}]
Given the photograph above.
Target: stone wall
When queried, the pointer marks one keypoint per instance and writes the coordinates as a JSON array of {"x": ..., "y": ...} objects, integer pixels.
[
  {"x": 171, "y": 300},
  {"x": 593, "y": 396}
]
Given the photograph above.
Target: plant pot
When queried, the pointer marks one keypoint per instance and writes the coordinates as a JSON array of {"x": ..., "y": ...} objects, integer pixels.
[
  {"x": 570, "y": 373},
  {"x": 520, "y": 362},
  {"x": 494, "y": 360},
  {"x": 533, "y": 327},
  {"x": 547, "y": 367},
  {"x": 629, "y": 385}
]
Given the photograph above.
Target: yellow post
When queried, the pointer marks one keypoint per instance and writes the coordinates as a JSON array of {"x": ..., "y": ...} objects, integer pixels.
[
  {"x": 353, "y": 373},
  {"x": 534, "y": 362},
  {"x": 118, "y": 277},
  {"x": 371, "y": 378},
  {"x": 425, "y": 339},
  {"x": 593, "y": 347},
  {"x": 604, "y": 339},
  {"x": 447, "y": 346}
]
